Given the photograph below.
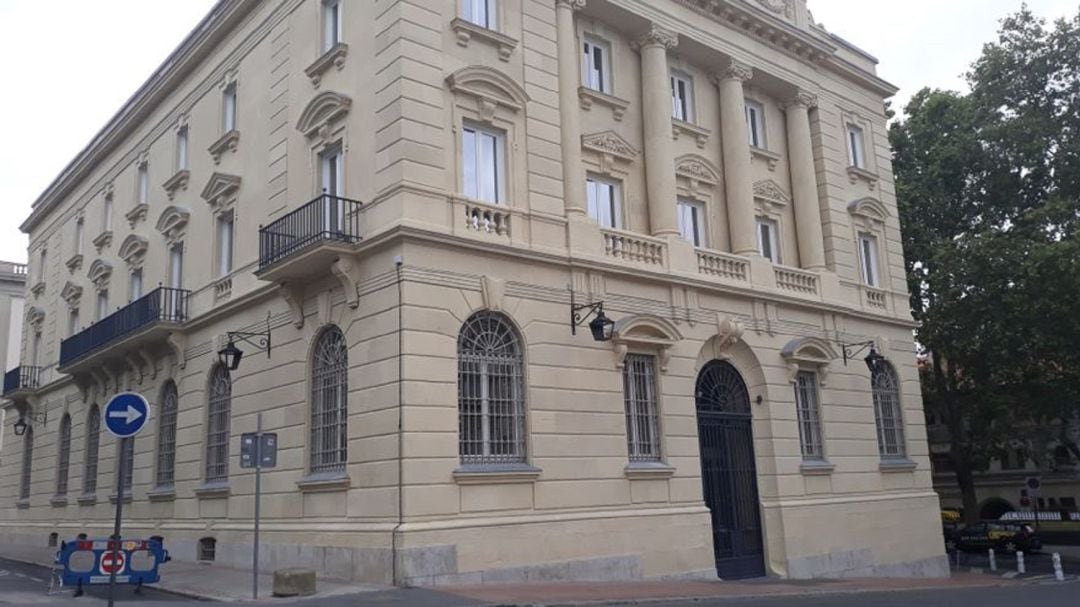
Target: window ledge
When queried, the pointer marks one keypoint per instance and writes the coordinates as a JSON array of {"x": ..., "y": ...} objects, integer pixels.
[
  {"x": 74, "y": 262},
  {"x": 648, "y": 470},
  {"x": 58, "y": 501},
  {"x": 179, "y": 181},
  {"x": 137, "y": 214},
  {"x": 127, "y": 498},
  {"x": 467, "y": 30},
  {"x": 162, "y": 494},
  {"x": 214, "y": 490},
  {"x": 334, "y": 56},
  {"x": 856, "y": 173},
  {"x": 86, "y": 499},
  {"x": 588, "y": 97},
  {"x": 682, "y": 127},
  {"x": 227, "y": 143},
  {"x": 102, "y": 240},
  {"x": 496, "y": 474},
  {"x": 897, "y": 464},
  {"x": 814, "y": 467},
  {"x": 38, "y": 288},
  {"x": 22, "y": 504},
  {"x": 315, "y": 482},
  {"x": 771, "y": 158}
]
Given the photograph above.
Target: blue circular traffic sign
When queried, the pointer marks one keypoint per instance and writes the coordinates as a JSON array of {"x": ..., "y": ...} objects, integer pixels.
[{"x": 126, "y": 414}]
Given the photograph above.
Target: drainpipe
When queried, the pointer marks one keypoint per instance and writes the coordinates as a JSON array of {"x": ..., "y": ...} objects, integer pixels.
[{"x": 399, "y": 261}]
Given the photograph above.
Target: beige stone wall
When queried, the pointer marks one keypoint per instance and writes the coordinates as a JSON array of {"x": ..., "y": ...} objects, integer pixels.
[{"x": 396, "y": 101}]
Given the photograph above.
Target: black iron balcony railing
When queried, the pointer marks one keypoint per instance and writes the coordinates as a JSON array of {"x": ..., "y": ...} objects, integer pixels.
[
  {"x": 327, "y": 218},
  {"x": 21, "y": 378},
  {"x": 163, "y": 304}
]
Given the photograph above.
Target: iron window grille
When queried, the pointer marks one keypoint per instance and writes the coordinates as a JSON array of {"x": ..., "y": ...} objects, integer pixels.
[
  {"x": 93, "y": 443},
  {"x": 166, "y": 452},
  {"x": 639, "y": 394},
  {"x": 491, "y": 392},
  {"x": 329, "y": 402},
  {"x": 809, "y": 416},
  {"x": 217, "y": 427},
  {"x": 63, "y": 456},
  {"x": 887, "y": 414},
  {"x": 27, "y": 464},
  {"x": 207, "y": 549}
]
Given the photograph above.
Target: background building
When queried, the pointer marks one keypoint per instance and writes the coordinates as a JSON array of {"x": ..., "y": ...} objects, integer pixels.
[
  {"x": 12, "y": 290},
  {"x": 716, "y": 174}
]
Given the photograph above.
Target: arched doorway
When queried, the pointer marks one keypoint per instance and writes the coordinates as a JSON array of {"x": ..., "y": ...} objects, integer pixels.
[{"x": 728, "y": 472}]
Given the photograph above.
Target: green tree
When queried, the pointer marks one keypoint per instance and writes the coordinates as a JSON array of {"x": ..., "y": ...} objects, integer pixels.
[{"x": 988, "y": 189}]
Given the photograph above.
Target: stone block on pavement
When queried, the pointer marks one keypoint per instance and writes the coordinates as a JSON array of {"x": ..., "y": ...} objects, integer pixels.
[{"x": 295, "y": 581}]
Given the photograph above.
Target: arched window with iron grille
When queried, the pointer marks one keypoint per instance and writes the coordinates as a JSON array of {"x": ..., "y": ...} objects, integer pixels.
[
  {"x": 27, "y": 464},
  {"x": 165, "y": 471},
  {"x": 491, "y": 392},
  {"x": 218, "y": 413},
  {"x": 63, "y": 456},
  {"x": 93, "y": 444},
  {"x": 329, "y": 402},
  {"x": 887, "y": 414}
]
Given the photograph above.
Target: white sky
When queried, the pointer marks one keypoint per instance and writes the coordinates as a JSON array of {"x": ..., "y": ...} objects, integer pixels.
[{"x": 59, "y": 94}]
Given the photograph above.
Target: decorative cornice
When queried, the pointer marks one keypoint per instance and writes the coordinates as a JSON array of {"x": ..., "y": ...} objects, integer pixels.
[
  {"x": 220, "y": 189},
  {"x": 71, "y": 293},
  {"x": 133, "y": 250},
  {"x": 172, "y": 222},
  {"x": 697, "y": 168},
  {"x": 100, "y": 272},
  {"x": 658, "y": 36},
  {"x": 179, "y": 181},
  {"x": 334, "y": 56},
  {"x": 467, "y": 30},
  {"x": 226, "y": 143},
  {"x": 323, "y": 110}
]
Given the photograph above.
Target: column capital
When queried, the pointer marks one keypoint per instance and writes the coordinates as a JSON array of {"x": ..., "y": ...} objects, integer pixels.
[
  {"x": 802, "y": 100},
  {"x": 658, "y": 36},
  {"x": 735, "y": 70},
  {"x": 574, "y": 5}
]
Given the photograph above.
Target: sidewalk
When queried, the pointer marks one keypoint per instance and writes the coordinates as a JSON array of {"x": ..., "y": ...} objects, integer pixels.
[
  {"x": 199, "y": 580},
  {"x": 553, "y": 594}
]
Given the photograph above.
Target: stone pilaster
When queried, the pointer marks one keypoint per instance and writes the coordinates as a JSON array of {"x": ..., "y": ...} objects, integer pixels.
[
  {"x": 569, "y": 115},
  {"x": 656, "y": 117},
  {"x": 738, "y": 183},
  {"x": 804, "y": 182}
]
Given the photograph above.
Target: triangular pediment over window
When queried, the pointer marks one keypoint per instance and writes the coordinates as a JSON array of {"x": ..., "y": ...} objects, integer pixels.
[
  {"x": 609, "y": 142},
  {"x": 220, "y": 188}
]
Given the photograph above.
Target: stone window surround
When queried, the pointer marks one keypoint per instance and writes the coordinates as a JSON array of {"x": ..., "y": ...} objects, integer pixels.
[
  {"x": 589, "y": 97},
  {"x": 815, "y": 355},
  {"x": 696, "y": 180},
  {"x": 868, "y": 173},
  {"x": 868, "y": 216},
  {"x": 610, "y": 157}
]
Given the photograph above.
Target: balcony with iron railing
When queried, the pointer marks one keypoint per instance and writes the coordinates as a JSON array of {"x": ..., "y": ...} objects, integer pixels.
[
  {"x": 307, "y": 240},
  {"x": 136, "y": 326},
  {"x": 21, "y": 380}
]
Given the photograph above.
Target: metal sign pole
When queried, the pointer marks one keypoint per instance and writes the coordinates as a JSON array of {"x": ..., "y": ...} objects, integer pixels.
[
  {"x": 116, "y": 523},
  {"x": 258, "y": 493}
]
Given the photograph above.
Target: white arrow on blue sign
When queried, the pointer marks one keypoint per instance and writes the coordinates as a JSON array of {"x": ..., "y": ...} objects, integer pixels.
[{"x": 126, "y": 414}]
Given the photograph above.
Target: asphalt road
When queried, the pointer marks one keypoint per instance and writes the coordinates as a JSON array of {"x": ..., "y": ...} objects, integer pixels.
[
  {"x": 1039, "y": 563},
  {"x": 23, "y": 584}
]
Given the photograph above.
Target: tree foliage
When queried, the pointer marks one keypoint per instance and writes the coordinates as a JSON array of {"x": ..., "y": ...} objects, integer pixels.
[{"x": 988, "y": 188}]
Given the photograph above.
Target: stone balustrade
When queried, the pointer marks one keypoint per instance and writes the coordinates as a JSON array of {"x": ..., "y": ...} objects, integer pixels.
[
  {"x": 723, "y": 265},
  {"x": 795, "y": 280},
  {"x": 875, "y": 298},
  {"x": 629, "y": 246}
]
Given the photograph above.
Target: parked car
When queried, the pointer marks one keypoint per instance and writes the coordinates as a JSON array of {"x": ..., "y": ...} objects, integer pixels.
[
  {"x": 951, "y": 525},
  {"x": 1009, "y": 537}
]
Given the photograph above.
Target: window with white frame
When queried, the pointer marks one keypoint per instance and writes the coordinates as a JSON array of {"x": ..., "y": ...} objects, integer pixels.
[
  {"x": 93, "y": 442},
  {"x": 491, "y": 392},
  {"x": 218, "y": 416},
  {"x": 887, "y": 413},
  {"x": 102, "y": 304},
  {"x": 755, "y": 124},
  {"x": 165, "y": 470},
  {"x": 481, "y": 12},
  {"x": 73, "y": 321},
  {"x": 332, "y": 170},
  {"x": 682, "y": 96},
  {"x": 135, "y": 288},
  {"x": 106, "y": 214},
  {"x": 225, "y": 243},
  {"x": 329, "y": 402},
  {"x": 808, "y": 410},
  {"x": 228, "y": 107},
  {"x": 604, "y": 201},
  {"x": 27, "y": 464},
  {"x": 483, "y": 156},
  {"x": 767, "y": 238},
  {"x": 142, "y": 194},
  {"x": 79, "y": 236},
  {"x": 331, "y": 20},
  {"x": 692, "y": 225},
  {"x": 176, "y": 266},
  {"x": 182, "y": 148},
  {"x": 856, "y": 153},
  {"x": 639, "y": 395},
  {"x": 63, "y": 456},
  {"x": 868, "y": 259},
  {"x": 35, "y": 349},
  {"x": 596, "y": 66}
]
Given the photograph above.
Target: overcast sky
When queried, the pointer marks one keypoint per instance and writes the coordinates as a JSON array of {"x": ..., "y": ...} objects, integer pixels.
[{"x": 59, "y": 92}]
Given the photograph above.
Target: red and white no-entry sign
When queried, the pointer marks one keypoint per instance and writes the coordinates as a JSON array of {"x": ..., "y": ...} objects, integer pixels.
[{"x": 112, "y": 562}]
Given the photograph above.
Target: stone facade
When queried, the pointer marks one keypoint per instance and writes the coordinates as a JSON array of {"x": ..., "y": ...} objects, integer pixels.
[{"x": 469, "y": 131}]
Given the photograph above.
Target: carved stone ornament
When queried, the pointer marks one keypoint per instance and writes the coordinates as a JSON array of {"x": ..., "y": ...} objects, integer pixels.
[
  {"x": 294, "y": 299},
  {"x": 347, "y": 271},
  {"x": 802, "y": 100},
  {"x": 609, "y": 142},
  {"x": 172, "y": 222},
  {"x": 491, "y": 88},
  {"x": 728, "y": 332},
  {"x": 697, "y": 168},
  {"x": 780, "y": 7},
  {"x": 574, "y": 5},
  {"x": 35, "y": 318},
  {"x": 71, "y": 293},
  {"x": 658, "y": 36},
  {"x": 770, "y": 191},
  {"x": 808, "y": 352},
  {"x": 133, "y": 250},
  {"x": 323, "y": 110},
  {"x": 100, "y": 273},
  {"x": 494, "y": 292},
  {"x": 870, "y": 211},
  {"x": 220, "y": 190},
  {"x": 735, "y": 70},
  {"x": 644, "y": 332}
]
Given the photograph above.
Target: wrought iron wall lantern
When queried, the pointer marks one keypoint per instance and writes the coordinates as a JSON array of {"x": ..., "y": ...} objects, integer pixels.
[
  {"x": 230, "y": 355},
  {"x": 873, "y": 359},
  {"x": 601, "y": 326},
  {"x": 21, "y": 425}
]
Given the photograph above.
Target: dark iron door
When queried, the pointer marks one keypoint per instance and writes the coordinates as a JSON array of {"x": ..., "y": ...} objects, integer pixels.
[{"x": 728, "y": 473}]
